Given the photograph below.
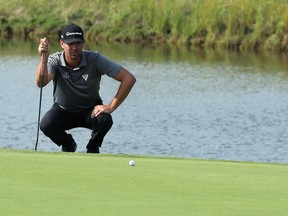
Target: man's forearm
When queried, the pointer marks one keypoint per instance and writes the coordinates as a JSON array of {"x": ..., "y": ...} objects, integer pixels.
[
  {"x": 124, "y": 89},
  {"x": 42, "y": 69}
]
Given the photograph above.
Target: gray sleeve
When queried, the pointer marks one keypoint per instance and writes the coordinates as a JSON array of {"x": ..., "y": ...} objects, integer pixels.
[
  {"x": 53, "y": 63},
  {"x": 108, "y": 67}
]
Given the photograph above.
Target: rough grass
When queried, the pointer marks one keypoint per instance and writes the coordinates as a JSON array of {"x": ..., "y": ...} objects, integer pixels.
[
  {"x": 237, "y": 24},
  {"x": 42, "y": 183}
]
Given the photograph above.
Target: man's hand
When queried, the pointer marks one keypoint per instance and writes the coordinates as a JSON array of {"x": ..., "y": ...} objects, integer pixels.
[
  {"x": 43, "y": 46},
  {"x": 42, "y": 71},
  {"x": 100, "y": 109}
]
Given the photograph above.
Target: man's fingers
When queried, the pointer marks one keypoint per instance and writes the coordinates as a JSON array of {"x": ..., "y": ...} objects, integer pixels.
[
  {"x": 43, "y": 46},
  {"x": 97, "y": 111}
]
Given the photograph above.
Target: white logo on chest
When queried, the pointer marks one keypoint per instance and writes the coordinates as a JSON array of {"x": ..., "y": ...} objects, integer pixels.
[{"x": 85, "y": 77}]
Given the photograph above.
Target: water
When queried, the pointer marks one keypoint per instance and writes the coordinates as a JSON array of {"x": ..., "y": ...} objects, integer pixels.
[{"x": 193, "y": 104}]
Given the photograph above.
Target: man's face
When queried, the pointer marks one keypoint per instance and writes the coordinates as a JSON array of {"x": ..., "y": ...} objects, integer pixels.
[{"x": 72, "y": 50}]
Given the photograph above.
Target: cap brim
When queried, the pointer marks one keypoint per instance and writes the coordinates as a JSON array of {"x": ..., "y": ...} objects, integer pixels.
[{"x": 73, "y": 40}]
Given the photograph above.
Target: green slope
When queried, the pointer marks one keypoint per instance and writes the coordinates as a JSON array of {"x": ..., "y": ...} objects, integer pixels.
[
  {"x": 41, "y": 183},
  {"x": 237, "y": 24}
]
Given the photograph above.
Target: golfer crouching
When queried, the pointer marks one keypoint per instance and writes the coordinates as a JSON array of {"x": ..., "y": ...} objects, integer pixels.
[{"x": 76, "y": 75}]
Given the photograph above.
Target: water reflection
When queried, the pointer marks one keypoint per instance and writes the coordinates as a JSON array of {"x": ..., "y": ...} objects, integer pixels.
[{"x": 187, "y": 103}]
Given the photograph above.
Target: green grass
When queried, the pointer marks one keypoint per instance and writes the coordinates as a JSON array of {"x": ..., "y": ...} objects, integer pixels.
[
  {"x": 42, "y": 183},
  {"x": 230, "y": 24}
]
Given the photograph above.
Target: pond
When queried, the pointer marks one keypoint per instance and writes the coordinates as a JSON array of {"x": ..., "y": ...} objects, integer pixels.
[{"x": 205, "y": 104}]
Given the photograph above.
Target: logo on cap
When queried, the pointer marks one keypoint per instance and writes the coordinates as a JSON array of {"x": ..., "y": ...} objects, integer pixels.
[{"x": 72, "y": 33}]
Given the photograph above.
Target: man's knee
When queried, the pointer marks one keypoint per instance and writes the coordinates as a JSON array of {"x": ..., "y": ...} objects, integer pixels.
[
  {"x": 47, "y": 127},
  {"x": 104, "y": 121}
]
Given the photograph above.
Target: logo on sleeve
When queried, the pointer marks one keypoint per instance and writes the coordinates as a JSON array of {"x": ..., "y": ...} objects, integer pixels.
[{"x": 85, "y": 77}]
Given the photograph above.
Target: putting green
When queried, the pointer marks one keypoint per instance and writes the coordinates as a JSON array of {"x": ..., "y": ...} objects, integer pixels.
[{"x": 42, "y": 183}]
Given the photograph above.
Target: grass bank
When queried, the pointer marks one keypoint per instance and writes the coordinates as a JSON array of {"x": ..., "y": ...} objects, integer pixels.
[
  {"x": 237, "y": 24},
  {"x": 41, "y": 183}
]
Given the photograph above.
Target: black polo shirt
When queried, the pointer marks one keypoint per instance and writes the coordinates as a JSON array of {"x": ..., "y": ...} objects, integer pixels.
[{"x": 78, "y": 88}]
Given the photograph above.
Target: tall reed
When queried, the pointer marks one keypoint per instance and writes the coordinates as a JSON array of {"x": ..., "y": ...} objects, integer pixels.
[{"x": 230, "y": 24}]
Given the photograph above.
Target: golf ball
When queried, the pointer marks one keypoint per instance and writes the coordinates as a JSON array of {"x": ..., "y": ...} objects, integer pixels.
[{"x": 132, "y": 163}]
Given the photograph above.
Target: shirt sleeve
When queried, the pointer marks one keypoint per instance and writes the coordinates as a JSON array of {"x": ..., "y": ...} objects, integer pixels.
[
  {"x": 108, "y": 67},
  {"x": 53, "y": 62}
]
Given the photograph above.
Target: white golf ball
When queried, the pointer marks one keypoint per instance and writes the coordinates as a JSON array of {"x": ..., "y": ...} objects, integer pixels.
[{"x": 132, "y": 163}]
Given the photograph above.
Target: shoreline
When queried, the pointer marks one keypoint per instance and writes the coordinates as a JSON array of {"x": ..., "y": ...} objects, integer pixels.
[{"x": 221, "y": 24}]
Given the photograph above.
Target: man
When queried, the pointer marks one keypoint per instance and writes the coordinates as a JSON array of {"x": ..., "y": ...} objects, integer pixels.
[{"x": 76, "y": 76}]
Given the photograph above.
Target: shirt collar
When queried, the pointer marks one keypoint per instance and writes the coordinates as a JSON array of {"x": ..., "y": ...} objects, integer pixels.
[{"x": 82, "y": 63}]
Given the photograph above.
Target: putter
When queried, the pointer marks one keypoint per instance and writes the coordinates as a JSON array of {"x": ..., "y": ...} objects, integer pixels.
[{"x": 40, "y": 100}]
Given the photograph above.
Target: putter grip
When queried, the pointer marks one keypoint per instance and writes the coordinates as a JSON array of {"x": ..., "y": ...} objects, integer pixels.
[{"x": 43, "y": 62}]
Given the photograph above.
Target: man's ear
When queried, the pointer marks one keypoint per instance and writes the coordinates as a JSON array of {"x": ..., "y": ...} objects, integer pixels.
[{"x": 61, "y": 43}]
